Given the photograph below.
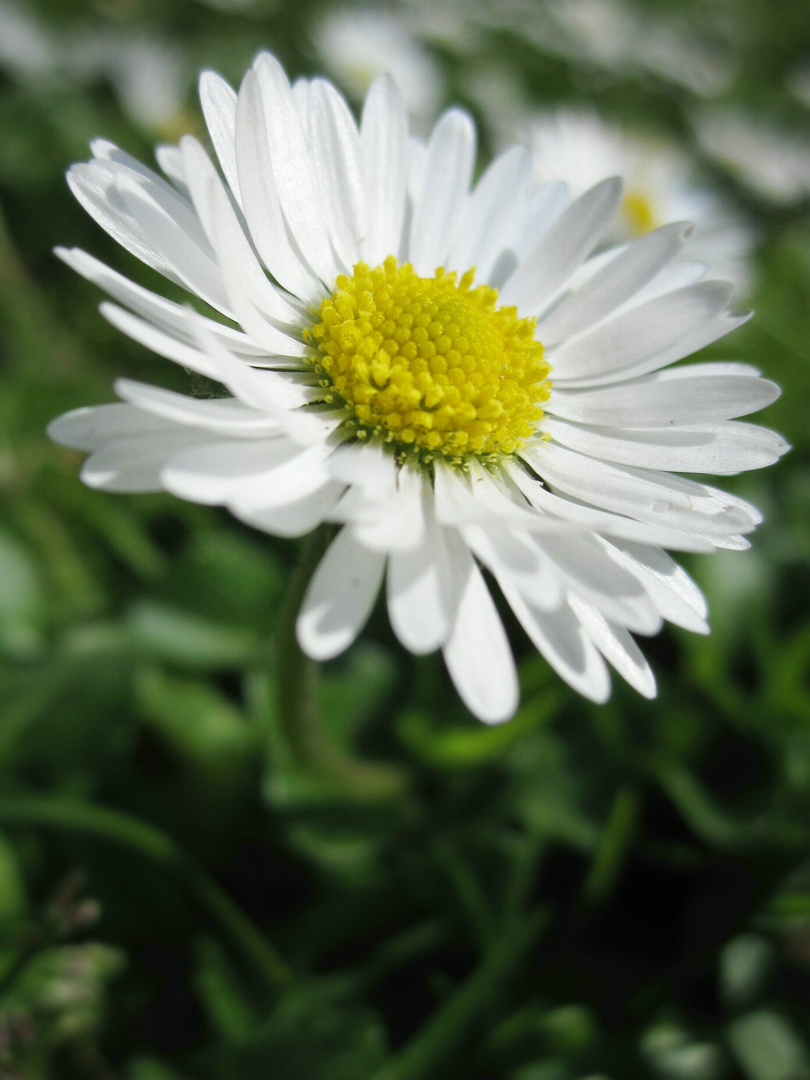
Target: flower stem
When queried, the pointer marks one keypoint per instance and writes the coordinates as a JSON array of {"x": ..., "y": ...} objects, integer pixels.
[{"x": 297, "y": 685}]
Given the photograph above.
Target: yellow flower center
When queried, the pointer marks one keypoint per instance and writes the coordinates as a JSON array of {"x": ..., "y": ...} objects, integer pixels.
[
  {"x": 430, "y": 365},
  {"x": 638, "y": 213}
]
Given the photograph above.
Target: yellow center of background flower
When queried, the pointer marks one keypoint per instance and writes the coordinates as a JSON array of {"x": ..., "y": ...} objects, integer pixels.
[
  {"x": 430, "y": 364},
  {"x": 638, "y": 212}
]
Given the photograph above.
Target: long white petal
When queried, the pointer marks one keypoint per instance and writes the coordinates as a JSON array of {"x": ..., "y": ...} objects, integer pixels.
[
  {"x": 384, "y": 149},
  {"x": 425, "y": 586},
  {"x": 652, "y": 402},
  {"x": 448, "y": 170},
  {"x": 278, "y": 251},
  {"x": 559, "y": 637},
  {"x": 620, "y": 279},
  {"x": 338, "y": 167},
  {"x": 340, "y": 597},
  {"x": 479, "y": 657},
  {"x": 218, "y": 101},
  {"x": 723, "y": 448},
  {"x": 566, "y": 244},
  {"x": 616, "y": 645},
  {"x": 293, "y": 172}
]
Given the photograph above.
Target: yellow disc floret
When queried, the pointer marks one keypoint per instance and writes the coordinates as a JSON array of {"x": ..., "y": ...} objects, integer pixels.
[
  {"x": 431, "y": 365},
  {"x": 639, "y": 213}
]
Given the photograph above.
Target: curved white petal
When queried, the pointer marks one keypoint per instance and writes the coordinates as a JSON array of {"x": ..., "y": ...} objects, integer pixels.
[
  {"x": 622, "y": 277},
  {"x": 276, "y": 247},
  {"x": 384, "y": 153},
  {"x": 293, "y": 172},
  {"x": 723, "y": 447},
  {"x": 218, "y": 101},
  {"x": 559, "y": 637},
  {"x": 566, "y": 244},
  {"x": 478, "y": 655},
  {"x": 448, "y": 171},
  {"x": 616, "y": 645},
  {"x": 340, "y": 597},
  {"x": 424, "y": 588}
]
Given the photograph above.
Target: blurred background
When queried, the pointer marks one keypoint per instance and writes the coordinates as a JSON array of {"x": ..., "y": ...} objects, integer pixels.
[{"x": 617, "y": 892}]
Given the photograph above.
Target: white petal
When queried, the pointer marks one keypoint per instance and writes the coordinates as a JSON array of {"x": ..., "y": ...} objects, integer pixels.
[
  {"x": 179, "y": 238},
  {"x": 248, "y": 289},
  {"x": 642, "y": 333},
  {"x": 170, "y": 161},
  {"x": 384, "y": 142},
  {"x": 223, "y": 416},
  {"x": 675, "y": 595},
  {"x": 387, "y": 521},
  {"x": 658, "y": 498},
  {"x": 162, "y": 313},
  {"x": 298, "y": 514},
  {"x": 89, "y": 428},
  {"x": 93, "y": 186},
  {"x": 621, "y": 278},
  {"x": 293, "y": 173},
  {"x": 512, "y": 558},
  {"x": 424, "y": 587},
  {"x": 133, "y": 464},
  {"x": 279, "y": 253},
  {"x": 566, "y": 244},
  {"x": 703, "y": 333},
  {"x": 488, "y": 211},
  {"x": 601, "y": 521},
  {"x": 213, "y": 474},
  {"x": 218, "y": 101},
  {"x": 338, "y": 166},
  {"x": 723, "y": 448},
  {"x": 448, "y": 170},
  {"x": 650, "y": 401},
  {"x": 590, "y": 573},
  {"x": 339, "y": 598},
  {"x": 617, "y": 646},
  {"x": 559, "y": 637},
  {"x": 478, "y": 656}
]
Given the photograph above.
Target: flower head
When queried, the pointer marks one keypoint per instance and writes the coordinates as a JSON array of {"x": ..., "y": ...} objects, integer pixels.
[
  {"x": 659, "y": 186},
  {"x": 445, "y": 370}
]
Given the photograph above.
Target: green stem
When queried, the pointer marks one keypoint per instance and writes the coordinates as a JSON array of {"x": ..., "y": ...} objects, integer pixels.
[
  {"x": 155, "y": 845},
  {"x": 442, "y": 1035},
  {"x": 614, "y": 844},
  {"x": 297, "y": 684}
]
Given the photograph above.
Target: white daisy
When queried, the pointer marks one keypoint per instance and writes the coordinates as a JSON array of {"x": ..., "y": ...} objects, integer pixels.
[
  {"x": 148, "y": 73},
  {"x": 771, "y": 160},
  {"x": 441, "y": 369},
  {"x": 357, "y": 45},
  {"x": 582, "y": 149},
  {"x": 624, "y": 39}
]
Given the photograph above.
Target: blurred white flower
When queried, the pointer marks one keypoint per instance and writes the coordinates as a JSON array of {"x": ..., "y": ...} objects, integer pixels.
[
  {"x": 149, "y": 74},
  {"x": 623, "y": 39},
  {"x": 798, "y": 83},
  {"x": 770, "y": 160},
  {"x": 27, "y": 52},
  {"x": 582, "y": 149},
  {"x": 443, "y": 369},
  {"x": 358, "y": 44}
]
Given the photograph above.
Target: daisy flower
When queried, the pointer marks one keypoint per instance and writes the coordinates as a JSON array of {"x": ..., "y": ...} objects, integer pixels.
[
  {"x": 357, "y": 45},
  {"x": 441, "y": 369},
  {"x": 770, "y": 160},
  {"x": 582, "y": 149}
]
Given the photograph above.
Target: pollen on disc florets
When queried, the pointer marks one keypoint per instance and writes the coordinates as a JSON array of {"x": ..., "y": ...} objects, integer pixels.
[{"x": 430, "y": 364}]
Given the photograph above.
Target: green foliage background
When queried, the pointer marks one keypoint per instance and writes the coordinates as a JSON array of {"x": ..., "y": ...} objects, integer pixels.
[{"x": 618, "y": 891}]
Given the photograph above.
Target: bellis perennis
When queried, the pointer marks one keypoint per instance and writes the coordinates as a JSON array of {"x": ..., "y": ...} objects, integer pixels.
[{"x": 443, "y": 369}]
